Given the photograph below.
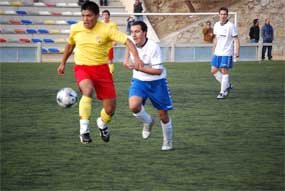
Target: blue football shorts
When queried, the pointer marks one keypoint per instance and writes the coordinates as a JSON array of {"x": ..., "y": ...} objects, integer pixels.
[
  {"x": 157, "y": 91},
  {"x": 222, "y": 61}
]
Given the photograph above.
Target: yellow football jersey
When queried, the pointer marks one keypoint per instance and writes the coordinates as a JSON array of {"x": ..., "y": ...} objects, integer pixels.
[{"x": 92, "y": 45}]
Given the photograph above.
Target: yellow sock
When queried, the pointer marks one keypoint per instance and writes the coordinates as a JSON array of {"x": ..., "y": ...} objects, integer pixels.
[
  {"x": 85, "y": 107},
  {"x": 105, "y": 117}
]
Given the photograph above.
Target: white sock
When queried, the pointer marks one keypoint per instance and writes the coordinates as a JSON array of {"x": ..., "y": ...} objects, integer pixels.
[
  {"x": 84, "y": 126},
  {"x": 100, "y": 123},
  {"x": 167, "y": 130},
  {"x": 143, "y": 116},
  {"x": 218, "y": 76},
  {"x": 225, "y": 82}
]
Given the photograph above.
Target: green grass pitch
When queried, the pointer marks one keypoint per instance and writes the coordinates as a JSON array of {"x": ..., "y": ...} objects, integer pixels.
[{"x": 220, "y": 145}]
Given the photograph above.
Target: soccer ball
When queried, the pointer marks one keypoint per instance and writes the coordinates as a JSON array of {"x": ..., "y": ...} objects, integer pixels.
[{"x": 66, "y": 97}]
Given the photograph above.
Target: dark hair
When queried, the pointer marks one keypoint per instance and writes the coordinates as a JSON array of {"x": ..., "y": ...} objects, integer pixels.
[
  {"x": 92, "y": 6},
  {"x": 106, "y": 11},
  {"x": 142, "y": 24},
  {"x": 255, "y": 21},
  {"x": 224, "y": 9}
]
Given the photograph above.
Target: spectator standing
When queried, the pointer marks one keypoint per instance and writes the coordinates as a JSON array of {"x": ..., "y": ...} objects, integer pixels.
[
  {"x": 106, "y": 19},
  {"x": 138, "y": 8},
  {"x": 254, "y": 31},
  {"x": 103, "y": 3},
  {"x": 267, "y": 34},
  {"x": 208, "y": 32},
  {"x": 81, "y": 2},
  {"x": 130, "y": 21}
]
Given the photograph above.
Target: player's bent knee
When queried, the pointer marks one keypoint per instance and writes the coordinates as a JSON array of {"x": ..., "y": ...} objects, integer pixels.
[
  {"x": 135, "y": 108},
  {"x": 225, "y": 71},
  {"x": 163, "y": 116},
  {"x": 213, "y": 71},
  {"x": 87, "y": 91},
  {"x": 109, "y": 110}
]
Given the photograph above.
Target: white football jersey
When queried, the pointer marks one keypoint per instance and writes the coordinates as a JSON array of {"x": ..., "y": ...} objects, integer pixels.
[
  {"x": 150, "y": 54},
  {"x": 225, "y": 38}
]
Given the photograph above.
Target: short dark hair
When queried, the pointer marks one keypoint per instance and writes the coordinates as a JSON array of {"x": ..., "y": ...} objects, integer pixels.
[
  {"x": 255, "y": 21},
  {"x": 106, "y": 11},
  {"x": 142, "y": 24},
  {"x": 92, "y": 6},
  {"x": 224, "y": 9}
]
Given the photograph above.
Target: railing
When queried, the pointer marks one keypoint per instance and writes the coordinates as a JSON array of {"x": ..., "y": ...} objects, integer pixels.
[
  {"x": 199, "y": 52},
  {"x": 16, "y": 52}
]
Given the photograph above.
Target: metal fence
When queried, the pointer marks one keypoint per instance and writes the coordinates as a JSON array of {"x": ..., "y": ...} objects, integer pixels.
[
  {"x": 199, "y": 52},
  {"x": 15, "y": 52}
]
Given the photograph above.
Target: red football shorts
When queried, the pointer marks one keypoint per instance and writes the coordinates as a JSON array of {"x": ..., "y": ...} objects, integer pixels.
[
  {"x": 101, "y": 78},
  {"x": 111, "y": 54}
]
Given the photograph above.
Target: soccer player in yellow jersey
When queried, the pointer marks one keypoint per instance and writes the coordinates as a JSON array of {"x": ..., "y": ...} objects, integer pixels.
[
  {"x": 106, "y": 19},
  {"x": 91, "y": 39}
]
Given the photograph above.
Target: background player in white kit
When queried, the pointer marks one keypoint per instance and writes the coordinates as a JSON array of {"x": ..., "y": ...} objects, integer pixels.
[
  {"x": 226, "y": 37},
  {"x": 150, "y": 83}
]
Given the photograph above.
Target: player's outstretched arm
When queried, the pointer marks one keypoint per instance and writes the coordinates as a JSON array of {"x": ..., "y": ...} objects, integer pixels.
[
  {"x": 138, "y": 63},
  {"x": 67, "y": 52},
  {"x": 126, "y": 62},
  {"x": 151, "y": 71}
]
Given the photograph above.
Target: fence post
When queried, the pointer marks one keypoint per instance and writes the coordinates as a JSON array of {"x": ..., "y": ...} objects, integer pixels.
[
  {"x": 259, "y": 47},
  {"x": 39, "y": 52},
  {"x": 172, "y": 52}
]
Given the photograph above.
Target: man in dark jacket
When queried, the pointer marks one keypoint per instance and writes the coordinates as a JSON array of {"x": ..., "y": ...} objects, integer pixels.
[
  {"x": 103, "y": 3},
  {"x": 81, "y": 2},
  {"x": 267, "y": 34},
  {"x": 254, "y": 31},
  {"x": 138, "y": 8}
]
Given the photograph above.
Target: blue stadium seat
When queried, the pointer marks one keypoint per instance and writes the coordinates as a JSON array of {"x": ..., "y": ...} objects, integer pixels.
[
  {"x": 25, "y": 3},
  {"x": 44, "y": 50},
  {"x": 53, "y": 50},
  {"x": 35, "y": 40},
  {"x": 26, "y": 22},
  {"x": 31, "y": 31},
  {"x": 71, "y": 22},
  {"x": 21, "y": 12},
  {"x": 43, "y": 31},
  {"x": 48, "y": 40}
]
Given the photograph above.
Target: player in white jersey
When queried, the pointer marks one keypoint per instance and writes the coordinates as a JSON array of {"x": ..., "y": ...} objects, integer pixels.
[
  {"x": 226, "y": 37},
  {"x": 149, "y": 82}
]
